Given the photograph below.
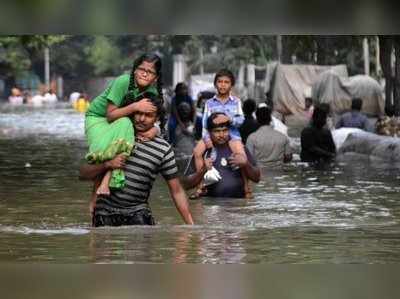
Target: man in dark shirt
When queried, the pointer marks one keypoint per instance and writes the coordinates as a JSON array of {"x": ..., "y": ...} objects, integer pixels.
[
  {"x": 249, "y": 125},
  {"x": 316, "y": 141},
  {"x": 225, "y": 162}
]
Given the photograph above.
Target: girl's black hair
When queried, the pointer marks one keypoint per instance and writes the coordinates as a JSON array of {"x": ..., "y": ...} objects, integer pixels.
[
  {"x": 159, "y": 103},
  {"x": 148, "y": 57}
]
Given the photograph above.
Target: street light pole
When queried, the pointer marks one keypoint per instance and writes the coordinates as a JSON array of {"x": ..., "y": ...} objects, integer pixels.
[{"x": 47, "y": 67}]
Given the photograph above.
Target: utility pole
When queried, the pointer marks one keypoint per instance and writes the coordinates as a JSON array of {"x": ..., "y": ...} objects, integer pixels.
[
  {"x": 47, "y": 67},
  {"x": 279, "y": 47}
]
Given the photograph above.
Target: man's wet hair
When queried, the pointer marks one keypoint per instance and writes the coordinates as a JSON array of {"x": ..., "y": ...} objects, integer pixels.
[
  {"x": 356, "y": 104},
  {"x": 224, "y": 73},
  {"x": 249, "y": 106},
  {"x": 263, "y": 115},
  {"x": 210, "y": 122}
]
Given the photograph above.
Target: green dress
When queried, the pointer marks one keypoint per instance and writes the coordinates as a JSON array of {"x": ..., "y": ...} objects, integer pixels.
[{"x": 106, "y": 140}]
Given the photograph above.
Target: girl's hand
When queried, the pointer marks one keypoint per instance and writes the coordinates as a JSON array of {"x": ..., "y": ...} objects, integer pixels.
[
  {"x": 144, "y": 106},
  {"x": 148, "y": 135}
]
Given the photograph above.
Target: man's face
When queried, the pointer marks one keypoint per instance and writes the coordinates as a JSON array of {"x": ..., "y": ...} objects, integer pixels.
[
  {"x": 144, "y": 120},
  {"x": 223, "y": 85},
  {"x": 219, "y": 136},
  {"x": 145, "y": 74}
]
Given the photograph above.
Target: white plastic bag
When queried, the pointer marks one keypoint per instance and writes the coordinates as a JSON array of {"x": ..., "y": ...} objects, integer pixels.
[{"x": 211, "y": 177}]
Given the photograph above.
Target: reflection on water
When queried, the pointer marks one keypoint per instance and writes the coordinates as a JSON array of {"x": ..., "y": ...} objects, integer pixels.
[{"x": 344, "y": 213}]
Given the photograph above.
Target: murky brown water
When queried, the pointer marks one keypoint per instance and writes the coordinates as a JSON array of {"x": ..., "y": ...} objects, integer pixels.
[{"x": 348, "y": 213}]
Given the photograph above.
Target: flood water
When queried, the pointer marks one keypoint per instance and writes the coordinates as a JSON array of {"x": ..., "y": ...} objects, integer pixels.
[{"x": 346, "y": 213}]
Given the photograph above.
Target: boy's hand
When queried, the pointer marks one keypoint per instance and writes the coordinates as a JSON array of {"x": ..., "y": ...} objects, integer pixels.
[
  {"x": 221, "y": 118},
  {"x": 237, "y": 160}
]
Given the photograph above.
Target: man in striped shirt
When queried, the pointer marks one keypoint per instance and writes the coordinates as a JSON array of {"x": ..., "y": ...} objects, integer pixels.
[{"x": 129, "y": 205}]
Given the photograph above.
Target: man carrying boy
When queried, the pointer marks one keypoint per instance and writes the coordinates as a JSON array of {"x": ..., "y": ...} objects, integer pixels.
[{"x": 231, "y": 108}]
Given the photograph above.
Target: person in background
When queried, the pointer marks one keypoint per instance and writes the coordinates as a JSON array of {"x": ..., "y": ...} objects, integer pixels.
[
  {"x": 354, "y": 118},
  {"x": 181, "y": 96},
  {"x": 16, "y": 97},
  {"x": 201, "y": 99},
  {"x": 317, "y": 144},
  {"x": 388, "y": 125},
  {"x": 50, "y": 97},
  {"x": 268, "y": 146},
  {"x": 308, "y": 107},
  {"x": 249, "y": 125}
]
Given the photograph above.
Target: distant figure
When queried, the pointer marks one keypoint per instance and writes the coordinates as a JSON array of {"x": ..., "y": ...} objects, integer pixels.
[
  {"x": 354, "y": 118},
  {"x": 38, "y": 99},
  {"x": 388, "y": 125},
  {"x": 185, "y": 140},
  {"x": 226, "y": 163},
  {"x": 268, "y": 146},
  {"x": 73, "y": 97},
  {"x": 50, "y": 97},
  {"x": 249, "y": 125},
  {"x": 308, "y": 107},
  {"x": 317, "y": 144},
  {"x": 201, "y": 100},
  {"x": 16, "y": 97},
  {"x": 181, "y": 96}
]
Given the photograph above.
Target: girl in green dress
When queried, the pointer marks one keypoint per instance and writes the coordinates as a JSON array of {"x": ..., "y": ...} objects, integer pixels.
[{"x": 108, "y": 127}]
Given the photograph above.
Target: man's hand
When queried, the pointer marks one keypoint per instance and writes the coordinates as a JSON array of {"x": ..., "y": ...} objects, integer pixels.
[
  {"x": 208, "y": 163},
  {"x": 237, "y": 160},
  {"x": 117, "y": 163}
]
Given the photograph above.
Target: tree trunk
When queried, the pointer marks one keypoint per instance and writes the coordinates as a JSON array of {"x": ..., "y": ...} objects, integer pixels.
[
  {"x": 385, "y": 45},
  {"x": 396, "y": 88},
  {"x": 321, "y": 50}
]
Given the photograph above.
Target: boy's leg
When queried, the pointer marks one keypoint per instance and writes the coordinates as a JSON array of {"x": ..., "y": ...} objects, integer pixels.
[
  {"x": 104, "y": 185},
  {"x": 237, "y": 147}
]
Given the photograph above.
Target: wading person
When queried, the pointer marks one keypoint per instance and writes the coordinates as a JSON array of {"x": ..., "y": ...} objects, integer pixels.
[
  {"x": 268, "y": 146},
  {"x": 229, "y": 165},
  {"x": 317, "y": 144},
  {"x": 231, "y": 108},
  {"x": 129, "y": 205},
  {"x": 109, "y": 130}
]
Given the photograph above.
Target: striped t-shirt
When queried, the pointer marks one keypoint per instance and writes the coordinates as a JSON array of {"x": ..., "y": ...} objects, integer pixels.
[{"x": 141, "y": 168}]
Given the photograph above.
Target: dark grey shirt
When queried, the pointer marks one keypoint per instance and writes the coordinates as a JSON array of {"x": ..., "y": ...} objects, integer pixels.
[
  {"x": 231, "y": 184},
  {"x": 142, "y": 166}
]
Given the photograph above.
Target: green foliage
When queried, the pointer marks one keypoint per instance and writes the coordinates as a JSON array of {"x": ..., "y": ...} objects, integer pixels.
[{"x": 104, "y": 56}]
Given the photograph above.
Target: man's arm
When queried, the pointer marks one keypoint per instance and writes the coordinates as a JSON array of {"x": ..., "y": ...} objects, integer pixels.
[
  {"x": 192, "y": 180},
  {"x": 180, "y": 200},
  {"x": 94, "y": 171}
]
